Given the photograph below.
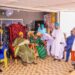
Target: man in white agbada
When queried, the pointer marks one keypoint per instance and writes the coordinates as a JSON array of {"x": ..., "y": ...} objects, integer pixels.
[
  {"x": 58, "y": 43},
  {"x": 46, "y": 37}
]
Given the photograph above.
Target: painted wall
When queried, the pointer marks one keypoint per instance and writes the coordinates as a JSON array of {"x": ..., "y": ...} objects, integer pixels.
[
  {"x": 28, "y": 17},
  {"x": 67, "y": 22}
]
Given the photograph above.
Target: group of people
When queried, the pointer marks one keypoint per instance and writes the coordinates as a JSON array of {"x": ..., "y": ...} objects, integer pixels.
[
  {"x": 44, "y": 44},
  {"x": 58, "y": 44},
  {"x": 53, "y": 44},
  {"x": 55, "y": 41}
]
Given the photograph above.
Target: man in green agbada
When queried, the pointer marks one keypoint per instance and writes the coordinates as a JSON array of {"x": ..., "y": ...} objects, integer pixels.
[{"x": 23, "y": 51}]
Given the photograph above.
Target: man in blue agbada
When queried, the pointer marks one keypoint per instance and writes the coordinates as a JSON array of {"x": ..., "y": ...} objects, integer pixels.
[
  {"x": 69, "y": 42},
  {"x": 41, "y": 28}
]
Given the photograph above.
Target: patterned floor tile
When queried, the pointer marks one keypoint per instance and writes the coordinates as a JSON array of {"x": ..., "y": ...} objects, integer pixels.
[{"x": 44, "y": 67}]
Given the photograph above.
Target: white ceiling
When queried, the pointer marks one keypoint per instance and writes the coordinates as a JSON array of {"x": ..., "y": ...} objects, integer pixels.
[{"x": 40, "y": 5}]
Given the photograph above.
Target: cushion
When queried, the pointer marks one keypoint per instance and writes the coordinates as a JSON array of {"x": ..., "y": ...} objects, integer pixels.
[{"x": 1, "y": 55}]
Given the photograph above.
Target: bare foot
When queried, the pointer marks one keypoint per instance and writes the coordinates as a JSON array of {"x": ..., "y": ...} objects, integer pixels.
[{"x": 55, "y": 59}]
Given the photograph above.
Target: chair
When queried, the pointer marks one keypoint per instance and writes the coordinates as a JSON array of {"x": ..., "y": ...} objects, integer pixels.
[
  {"x": 14, "y": 29},
  {"x": 3, "y": 55}
]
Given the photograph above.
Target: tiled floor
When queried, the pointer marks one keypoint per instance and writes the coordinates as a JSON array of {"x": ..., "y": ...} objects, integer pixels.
[{"x": 44, "y": 67}]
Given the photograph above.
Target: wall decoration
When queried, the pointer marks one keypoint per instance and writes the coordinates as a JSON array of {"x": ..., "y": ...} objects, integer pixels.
[{"x": 9, "y": 12}]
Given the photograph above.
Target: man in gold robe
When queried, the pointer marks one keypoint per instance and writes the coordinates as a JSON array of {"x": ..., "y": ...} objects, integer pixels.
[{"x": 22, "y": 50}]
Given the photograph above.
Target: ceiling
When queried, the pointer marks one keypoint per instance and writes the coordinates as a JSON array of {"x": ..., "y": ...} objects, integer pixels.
[{"x": 39, "y": 5}]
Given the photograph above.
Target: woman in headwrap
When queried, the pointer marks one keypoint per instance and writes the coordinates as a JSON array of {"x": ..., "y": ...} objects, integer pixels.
[
  {"x": 32, "y": 42},
  {"x": 35, "y": 39},
  {"x": 22, "y": 50},
  {"x": 31, "y": 36},
  {"x": 40, "y": 46}
]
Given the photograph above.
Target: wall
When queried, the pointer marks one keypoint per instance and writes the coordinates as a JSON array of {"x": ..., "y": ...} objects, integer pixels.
[
  {"x": 28, "y": 17},
  {"x": 67, "y": 22}
]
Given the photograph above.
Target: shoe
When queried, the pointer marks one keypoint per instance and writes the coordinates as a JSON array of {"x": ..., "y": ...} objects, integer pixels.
[
  {"x": 34, "y": 63},
  {"x": 59, "y": 60},
  {"x": 24, "y": 63},
  {"x": 66, "y": 61},
  {"x": 70, "y": 71},
  {"x": 55, "y": 59},
  {"x": 0, "y": 70}
]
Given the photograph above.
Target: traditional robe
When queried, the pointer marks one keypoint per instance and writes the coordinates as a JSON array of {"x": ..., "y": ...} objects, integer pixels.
[
  {"x": 23, "y": 51},
  {"x": 49, "y": 41},
  {"x": 58, "y": 44},
  {"x": 69, "y": 43},
  {"x": 39, "y": 47},
  {"x": 42, "y": 29}
]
